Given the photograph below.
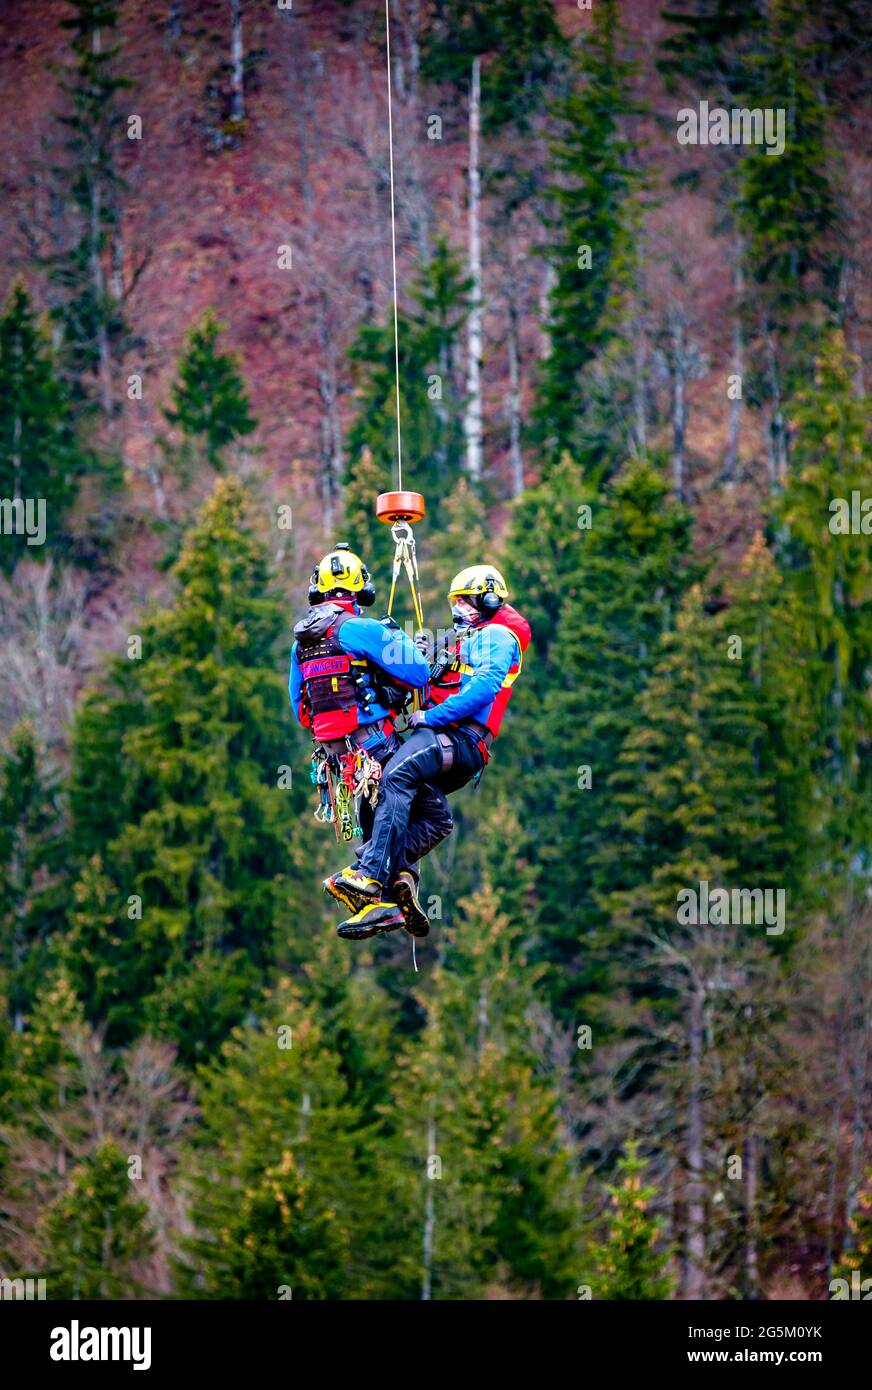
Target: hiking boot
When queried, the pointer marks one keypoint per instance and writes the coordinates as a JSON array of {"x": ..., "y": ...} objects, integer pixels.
[
  {"x": 371, "y": 921},
  {"x": 415, "y": 919},
  {"x": 352, "y": 888}
]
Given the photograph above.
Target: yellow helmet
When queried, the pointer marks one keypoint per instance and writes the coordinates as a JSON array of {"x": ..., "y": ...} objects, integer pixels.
[
  {"x": 342, "y": 569},
  {"x": 476, "y": 580}
]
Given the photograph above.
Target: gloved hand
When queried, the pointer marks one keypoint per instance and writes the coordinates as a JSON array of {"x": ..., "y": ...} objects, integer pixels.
[
  {"x": 416, "y": 719},
  {"x": 422, "y": 642}
]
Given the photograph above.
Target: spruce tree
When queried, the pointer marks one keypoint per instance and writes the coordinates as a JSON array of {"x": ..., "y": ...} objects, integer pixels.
[
  {"x": 40, "y": 457},
  {"x": 32, "y": 850},
  {"x": 189, "y": 816},
  {"x": 688, "y": 799},
  {"x": 857, "y": 1251},
  {"x": 632, "y": 1263},
  {"x": 766, "y": 615},
  {"x": 94, "y": 331},
  {"x": 519, "y": 42},
  {"x": 786, "y": 204},
  {"x": 461, "y": 539},
  {"x": 549, "y": 524},
  {"x": 631, "y": 567},
  {"x": 486, "y": 1164},
  {"x": 691, "y": 802},
  {"x": 711, "y": 43},
  {"x": 96, "y": 1233},
  {"x": 592, "y": 236},
  {"x": 210, "y": 406},
  {"x": 787, "y": 212},
  {"x": 290, "y": 1197},
  {"x": 431, "y": 403},
  {"x": 828, "y": 574}
]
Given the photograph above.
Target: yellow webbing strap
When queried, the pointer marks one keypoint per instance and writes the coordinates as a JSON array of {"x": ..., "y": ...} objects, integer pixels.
[{"x": 406, "y": 558}]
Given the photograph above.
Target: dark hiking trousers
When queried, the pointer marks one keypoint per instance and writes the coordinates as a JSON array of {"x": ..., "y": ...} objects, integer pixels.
[
  {"x": 412, "y": 814},
  {"x": 429, "y": 822}
]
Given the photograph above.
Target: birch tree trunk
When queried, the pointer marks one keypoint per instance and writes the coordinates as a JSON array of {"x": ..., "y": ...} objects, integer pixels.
[
  {"x": 237, "y": 106},
  {"x": 429, "y": 1216},
  {"x": 778, "y": 426},
  {"x": 749, "y": 1173},
  {"x": 482, "y": 1017},
  {"x": 154, "y": 478},
  {"x": 472, "y": 420},
  {"x": 98, "y": 280},
  {"x": 736, "y": 404},
  {"x": 514, "y": 350},
  {"x": 695, "y": 1244},
  {"x": 859, "y": 975},
  {"x": 640, "y": 355},
  {"x": 331, "y": 437},
  {"x": 548, "y": 278},
  {"x": 679, "y": 401},
  {"x": 174, "y": 20},
  {"x": 16, "y": 432},
  {"x": 399, "y": 65}
]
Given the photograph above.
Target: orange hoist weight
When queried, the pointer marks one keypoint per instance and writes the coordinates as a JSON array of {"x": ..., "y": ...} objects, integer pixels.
[{"x": 399, "y": 506}]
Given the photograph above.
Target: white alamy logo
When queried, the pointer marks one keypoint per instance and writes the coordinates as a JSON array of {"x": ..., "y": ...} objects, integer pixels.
[
  {"x": 738, "y": 126},
  {"x": 23, "y": 516},
  {"x": 721, "y": 907},
  {"x": 75, "y": 1343},
  {"x": 852, "y": 517},
  {"x": 22, "y": 1288},
  {"x": 859, "y": 1288}
]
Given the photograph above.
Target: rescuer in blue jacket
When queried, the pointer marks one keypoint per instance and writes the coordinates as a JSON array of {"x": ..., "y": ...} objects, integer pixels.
[{"x": 349, "y": 677}]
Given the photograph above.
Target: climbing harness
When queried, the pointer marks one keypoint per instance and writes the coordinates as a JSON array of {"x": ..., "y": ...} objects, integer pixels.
[{"x": 344, "y": 780}]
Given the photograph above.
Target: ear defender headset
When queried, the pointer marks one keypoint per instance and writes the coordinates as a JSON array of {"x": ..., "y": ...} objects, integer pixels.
[{"x": 489, "y": 602}]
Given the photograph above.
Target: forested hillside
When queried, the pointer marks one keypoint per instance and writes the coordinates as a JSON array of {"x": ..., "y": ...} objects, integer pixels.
[{"x": 632, "y": 358}]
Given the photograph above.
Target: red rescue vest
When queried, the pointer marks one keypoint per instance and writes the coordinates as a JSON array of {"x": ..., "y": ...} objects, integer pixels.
[{"x": 448, "y": 683}]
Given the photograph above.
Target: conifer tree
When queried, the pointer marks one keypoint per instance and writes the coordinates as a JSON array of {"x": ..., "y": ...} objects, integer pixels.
[
  {"x": 518, "y": 43},
  {"x": 189, "y": 864},
  {"x": 766, "y": 616},
  {"x": 858, "y": 1246},
  {"x": 431, "y": 400},
  {"x": 40, "y": 457},
  {"x": 632, "y": 1263},
  {"x": 687, "y": 800},
  {"x": 210, "y": 403},
  {"x": 289, "y": 1198},
  {"x": 548, "y": 528},
  {"x": 460, "y": 538},
  {"x": 631, "y": 567},
  {"x": 592, "y": 235},
  {"x": 828, "y": 571},
  {"x": 69, "y": 1094},
  {"x": 41, "y": 1124},
  {"x": 96, "y": 1232},
  {"x": 486, "y": 1160},
  {"x": 32, "y": 850},
  {"x": 786, "y": 210},
  {"x": 94, "y": 330},
  {"x": 691, "y": 802},
  {"x": 711, "y": 43}
]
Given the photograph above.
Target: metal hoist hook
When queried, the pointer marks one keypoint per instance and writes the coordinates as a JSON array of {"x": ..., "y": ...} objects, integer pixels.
[{"x": 405, "y": 557}]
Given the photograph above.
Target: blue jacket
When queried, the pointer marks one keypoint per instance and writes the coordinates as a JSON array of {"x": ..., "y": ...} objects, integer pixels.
[
  {"x": 389, "y": 648},
  {"x": 481, "y": 679}
]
